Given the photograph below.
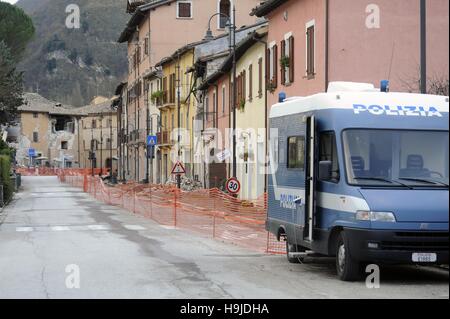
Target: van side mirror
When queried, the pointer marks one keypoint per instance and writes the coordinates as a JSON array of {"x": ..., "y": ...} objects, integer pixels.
[{"x": 325, "y": 171}]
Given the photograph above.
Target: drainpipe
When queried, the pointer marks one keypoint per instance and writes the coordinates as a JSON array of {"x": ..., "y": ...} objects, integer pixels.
[
  {"x": 423, "y": 46},
  {"x": 327, "y": 31},
  {"x": 266, "y": 109}
]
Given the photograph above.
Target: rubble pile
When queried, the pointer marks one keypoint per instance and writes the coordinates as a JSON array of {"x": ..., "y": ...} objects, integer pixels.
[{"x": 187, "y": 184}]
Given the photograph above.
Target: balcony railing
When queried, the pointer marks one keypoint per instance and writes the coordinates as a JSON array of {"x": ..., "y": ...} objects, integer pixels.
[{"x": 164, "y": 138}]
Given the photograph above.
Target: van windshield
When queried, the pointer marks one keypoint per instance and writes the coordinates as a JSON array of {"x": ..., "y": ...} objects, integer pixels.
[{"x": 396, "y": 157}]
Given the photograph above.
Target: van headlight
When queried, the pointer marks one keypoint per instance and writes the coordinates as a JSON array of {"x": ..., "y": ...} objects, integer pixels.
[{"x": 375, "y": 216}]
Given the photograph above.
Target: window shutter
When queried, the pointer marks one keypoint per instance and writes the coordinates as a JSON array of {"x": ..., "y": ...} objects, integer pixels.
[
  {"x": 244, "y": 85},
  {"x": 291, "y": 60},
  {"x": 275, "y": 66},
  {"x": 250, "y": 82},
  {"x": 283, "y": 69},
  {"x": 268, "y": 59},
  {"x": 310, "y": 52},
  {"x": 260, "y": 61}
]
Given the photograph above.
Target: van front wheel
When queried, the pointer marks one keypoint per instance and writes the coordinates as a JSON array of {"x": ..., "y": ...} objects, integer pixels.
[{"x": 347, "y": 268}]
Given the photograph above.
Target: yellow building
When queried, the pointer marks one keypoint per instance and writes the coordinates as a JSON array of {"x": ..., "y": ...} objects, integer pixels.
[
  {"x": 251, "y": 116},
  {"x": 177, "y": 112}
]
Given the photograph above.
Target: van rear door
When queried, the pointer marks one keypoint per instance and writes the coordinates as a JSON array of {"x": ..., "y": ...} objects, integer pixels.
[{"x": 310, "y": 180}]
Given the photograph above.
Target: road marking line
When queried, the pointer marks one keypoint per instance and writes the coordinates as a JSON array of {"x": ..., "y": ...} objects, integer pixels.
[
  {"x": 24, "y": 229},
  {"x": 59, "y": 228},
  {"x": 134, "y": 227},
  {"x": 168, "y": 227},
  {"x": 98, "y": 227}
]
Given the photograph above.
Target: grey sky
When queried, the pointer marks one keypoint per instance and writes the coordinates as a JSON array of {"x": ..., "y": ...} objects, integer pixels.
[{"x": 10, "y": 1}]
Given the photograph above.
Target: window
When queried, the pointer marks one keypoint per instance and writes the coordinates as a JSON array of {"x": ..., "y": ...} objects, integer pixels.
[
  {"x": 287, "y": 60},
  {"x": 35, "y": 115},
  {"x": 272, "y": 67},
  {"x": 35, "y": 137},
  {"x": 310, "y": 50},
  {"x": 94, "y": 124},
  {"x": 225, "y": 10},
  {"x": 296, "y": 152},
  {"x": 328, "y": 152},
  {"x": 260, "y": 77},
  {"x": 64, "y": 145},
  {"x": 184, "y": 9},
  {"x": 386, "y": 157}
]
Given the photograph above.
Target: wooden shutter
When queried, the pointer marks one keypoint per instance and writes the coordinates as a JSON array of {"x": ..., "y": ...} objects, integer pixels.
[
  {"x": 250, "y": 82},
  {"x": 268, "y": 59},
  {"x": 291, "y": 60},
  {"x": 310, "y": 52},
  {"x": 164, "y": 88},
  {"x": 244, "y": 85},
  {"x": 283, "y": 69},
  {"x": 275, "y": 66},
  {"x": 260, "y": 78}
]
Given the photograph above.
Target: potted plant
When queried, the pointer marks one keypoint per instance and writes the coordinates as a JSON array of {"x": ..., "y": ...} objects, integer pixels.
[
  {"x": 271, "y": 87},
  {"x": 241, "y": 105},
  {"x": 157, "y": 96},
  {"x": 284, "y": 61}
]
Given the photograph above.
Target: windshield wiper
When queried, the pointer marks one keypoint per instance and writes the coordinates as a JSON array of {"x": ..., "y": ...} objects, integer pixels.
[
  {"x": 427, "y": 181},
  {"x": 381, "y": 179}
]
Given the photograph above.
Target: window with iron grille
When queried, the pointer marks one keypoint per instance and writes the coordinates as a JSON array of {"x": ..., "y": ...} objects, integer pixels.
[{"x": 184, "y": 9}]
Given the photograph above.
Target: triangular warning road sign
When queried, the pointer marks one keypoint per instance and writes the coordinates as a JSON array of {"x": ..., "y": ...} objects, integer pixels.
[{"x": 178, "y": 169}]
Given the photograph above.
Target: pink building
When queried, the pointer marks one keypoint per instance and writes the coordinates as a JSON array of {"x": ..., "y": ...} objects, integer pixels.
[{"x": 314, "y": 42}]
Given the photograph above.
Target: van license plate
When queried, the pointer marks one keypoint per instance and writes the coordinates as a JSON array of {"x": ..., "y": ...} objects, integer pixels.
[{"x": 424, "y": 257}]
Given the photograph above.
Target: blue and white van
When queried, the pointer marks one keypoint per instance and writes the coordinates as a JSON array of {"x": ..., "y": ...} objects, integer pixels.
[{"x": 362, "y": 175}]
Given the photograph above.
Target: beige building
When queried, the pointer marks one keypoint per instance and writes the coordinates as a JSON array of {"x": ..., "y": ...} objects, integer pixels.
[
  {"x": 50, "y": 130},
  {"x": 99, "y": 133},
  {"x": 63, "y": 136}
]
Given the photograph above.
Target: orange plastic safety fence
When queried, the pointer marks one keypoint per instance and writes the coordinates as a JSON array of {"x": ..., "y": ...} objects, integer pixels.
[{"x": 208, "y": 212}]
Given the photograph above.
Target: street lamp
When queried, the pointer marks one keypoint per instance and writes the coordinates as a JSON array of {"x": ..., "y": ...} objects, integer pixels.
[
  {"x": 151, "y": 131},
  {"x": 232, "y": 32}
]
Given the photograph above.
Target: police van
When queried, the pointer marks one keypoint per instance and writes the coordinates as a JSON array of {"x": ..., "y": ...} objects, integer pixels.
[{"x": 362, "y": 175}]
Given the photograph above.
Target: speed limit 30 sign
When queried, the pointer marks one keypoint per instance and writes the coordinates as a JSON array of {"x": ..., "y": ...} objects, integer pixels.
[{"x": 233, "y": 185}]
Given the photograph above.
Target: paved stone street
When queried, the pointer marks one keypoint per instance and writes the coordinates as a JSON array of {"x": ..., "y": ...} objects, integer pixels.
[{"x": 50, "y": 226}]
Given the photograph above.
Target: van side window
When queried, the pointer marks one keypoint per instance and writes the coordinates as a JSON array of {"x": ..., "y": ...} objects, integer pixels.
[
  {"x": 296, "y": 152},
  {"x": 328, "y": 152}
]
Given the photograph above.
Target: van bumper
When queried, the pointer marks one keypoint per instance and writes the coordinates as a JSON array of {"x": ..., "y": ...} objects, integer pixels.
[{"x": 396, "y": 247}]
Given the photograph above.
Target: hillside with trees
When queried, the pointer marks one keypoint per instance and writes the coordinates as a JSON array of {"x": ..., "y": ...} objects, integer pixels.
[{"x": 74, "y": 65}]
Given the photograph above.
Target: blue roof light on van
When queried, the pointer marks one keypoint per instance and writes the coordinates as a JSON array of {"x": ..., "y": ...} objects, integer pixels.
[
  {"x": 281, "y": 97},
  {"x": 384, "y": 86}
]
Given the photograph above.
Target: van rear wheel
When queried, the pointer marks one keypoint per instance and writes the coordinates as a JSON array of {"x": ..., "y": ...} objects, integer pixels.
[
  {"x": 292, "y": 248},
  {"x": 347, "y": 268}
]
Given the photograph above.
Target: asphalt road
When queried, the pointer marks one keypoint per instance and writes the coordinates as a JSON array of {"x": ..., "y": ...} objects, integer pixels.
[{"x": 57, "y": 242}]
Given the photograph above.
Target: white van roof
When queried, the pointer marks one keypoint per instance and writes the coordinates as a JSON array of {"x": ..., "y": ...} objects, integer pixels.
[{"x": 344, "y": 95}]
